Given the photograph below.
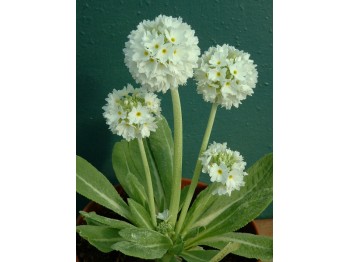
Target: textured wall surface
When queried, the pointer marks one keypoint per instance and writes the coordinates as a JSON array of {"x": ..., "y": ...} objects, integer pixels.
[{"x": 102, "y": 30}]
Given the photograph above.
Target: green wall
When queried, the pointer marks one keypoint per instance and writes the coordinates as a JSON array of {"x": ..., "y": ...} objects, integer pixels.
[{"x": 102, "y": 30}]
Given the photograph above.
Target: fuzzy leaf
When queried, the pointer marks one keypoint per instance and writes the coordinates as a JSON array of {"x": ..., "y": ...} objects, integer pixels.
[
  {"x": 159, "y": 194},
  {"x": 198, "y": 255},
  {"x": 130, "y": 176},
  {"x": 143, "y": 243},
  {"x": 171, "y": 258},
  {"x": 241, "y": 213},
  {"x": 101, "y": 220},
  {"x": 177, "y": 247},
  {"x": 92, "y": 222},
  {"x": 231, "y": 213},
  {"x": 194, "y": 232},
  {"x": 162, "y": 148},
  {"x": 140, "y": 216},
  {"x": 259, "y": 176},
  {"x": 101, "y": 237},
  {"x": 95, "y": 186},
  {"x": 127, "y": 164},
  {"x": 248, "y": 245}
]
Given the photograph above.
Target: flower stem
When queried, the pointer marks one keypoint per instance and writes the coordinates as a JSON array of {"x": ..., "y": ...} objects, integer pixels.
[
  {"x": 197, "y": 169},
  {"x": 177, "y": 166},
  {"x": 148, "y": 181}
]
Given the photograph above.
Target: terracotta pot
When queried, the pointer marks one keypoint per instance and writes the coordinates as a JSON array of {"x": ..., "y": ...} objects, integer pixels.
[{"x": 92, "y": 206}]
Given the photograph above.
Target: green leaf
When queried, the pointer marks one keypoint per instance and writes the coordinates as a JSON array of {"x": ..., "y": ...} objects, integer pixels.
[
  {"x": 126, "y": 159},
  {"x": 162, "y": 148},
  {"x": 248, "y": 245},
  {"x": 159, "y": 194},
  {"x": 101, "y": 220},
  {"x": 198, "y": 255},
  {"x": 239, "y": 214},
  {"x": 170, "y": 258},
  {"x": 251, "y": 200},
  {"x": 95, "y": 186},
  {"x": 194, "y": 232},
  {"x": 143, "y": 243},
  {"x": 102, "y": 237},
  {"x": 140, "y": 216},
  {"x": 130, "y": 176},
  {"x": 92, "y": 222},
  {"x": 178, "y": 246}
]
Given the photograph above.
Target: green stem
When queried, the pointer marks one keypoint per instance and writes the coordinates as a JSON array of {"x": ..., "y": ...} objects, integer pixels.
[
  {"x": 149, "y": 182},
  {"x": 177, "y": 166},
  {"x": 223, "y": 252},
  {"x": 197, "y": 170}
]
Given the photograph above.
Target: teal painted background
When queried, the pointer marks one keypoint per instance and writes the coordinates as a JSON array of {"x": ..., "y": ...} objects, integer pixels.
[{"x": 102, "y": 30}]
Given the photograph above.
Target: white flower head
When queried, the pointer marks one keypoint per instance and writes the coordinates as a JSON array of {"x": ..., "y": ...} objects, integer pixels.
[
  {"x": 225, "y": 167},
  {"x": 132, "y": 113},
  {"x": 162, "y": 53},
  {"x": 225, "y": 76}
]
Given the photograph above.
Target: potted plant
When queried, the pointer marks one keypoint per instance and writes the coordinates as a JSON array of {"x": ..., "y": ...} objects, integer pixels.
[{"x": 158, "y": 220}]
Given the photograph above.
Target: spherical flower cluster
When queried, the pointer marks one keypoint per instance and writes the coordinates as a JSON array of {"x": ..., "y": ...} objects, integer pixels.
[
  {"x": 225, "y": 76},
  {"x": 225, "y": 167},
  {"x": 132, "y": 113},
  {"x": 162, "y": 53}
]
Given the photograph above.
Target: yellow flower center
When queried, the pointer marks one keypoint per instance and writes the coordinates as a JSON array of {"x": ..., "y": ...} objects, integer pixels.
[
  {"x": 227, "y": 83},
  {"x": 156, "y": 46},
  {"x": 218, "y": 63},
  {"x": 174, "y": 52},
  {"x": 218, "y": 74},
  {"x": 138, "y": 114},
  {"x": 173, "y": 39},
  {"x": 164, "y": 51},
  {"x": 151, "y": 60},
  {"x": 235, "y": 72},
  {"x": 145, "y": 53},
  {"x": 220, "y": 172},
  {"x": 230, "y": 176}
]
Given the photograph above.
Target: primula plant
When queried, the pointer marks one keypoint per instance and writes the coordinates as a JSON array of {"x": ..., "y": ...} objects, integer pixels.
[{"x": 158, "y": 219}]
